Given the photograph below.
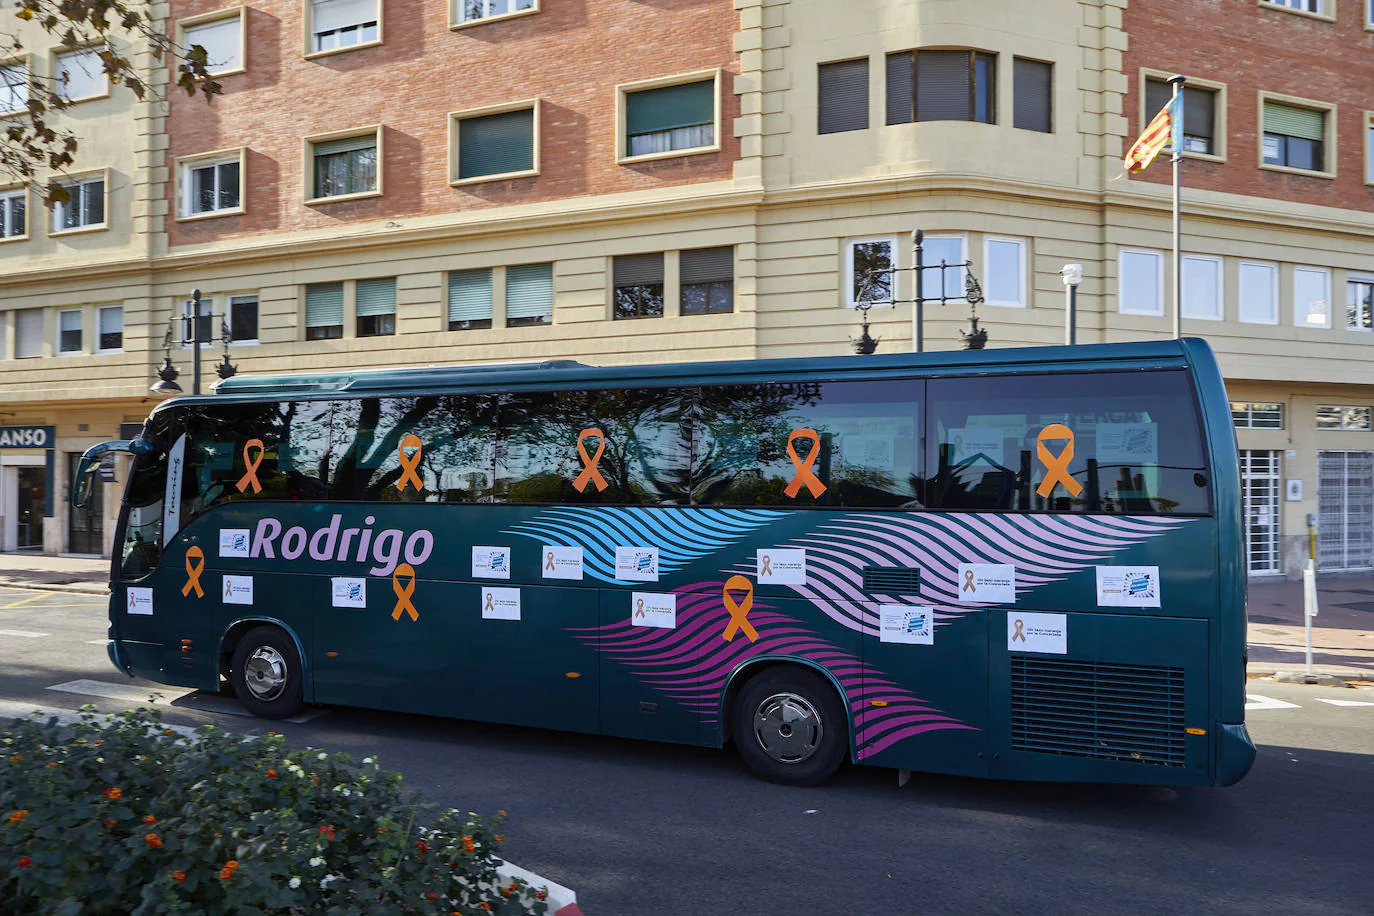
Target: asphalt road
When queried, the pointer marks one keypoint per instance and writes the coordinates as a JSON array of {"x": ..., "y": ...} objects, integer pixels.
[{"x": 649, "y": 829}]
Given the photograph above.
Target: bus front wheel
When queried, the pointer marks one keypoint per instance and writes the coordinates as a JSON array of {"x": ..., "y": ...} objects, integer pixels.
[
  {"x": 789, "y": 726},
  {"x": 266, "y": 673}
]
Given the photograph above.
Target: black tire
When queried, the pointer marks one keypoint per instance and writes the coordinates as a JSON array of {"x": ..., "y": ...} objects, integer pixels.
[
  {"x": 789, "y": 726},
  {"x": 266, "y": 673}
]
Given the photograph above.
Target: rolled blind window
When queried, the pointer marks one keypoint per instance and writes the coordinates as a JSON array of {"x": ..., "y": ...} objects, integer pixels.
[
  {"x": 654, "y": 110},
  {"x": 346, "y": 145},
  {"x": 707, "y": 265},
  {"x": 1199, "y": 110},
  {"x": 376, "y": 297},
  {"x": 220, "y": 39},
  {"x": 28, "y": 333},
  {"x": 324, "y": 305},
  {"x": 469, "y": 295},
  {"x": 496, "y": 144},
  {"x": 943, "y": 87},
  {"x": 1031, "y": 84},
  {"x": 901, "y": 88},
  {"x": 529, "y": 291},
  {"x": 329, "y": 15},
  {"x": 638, "y": 269},
  {"x": 1291, "y": 121},
  {"x": 843, "y": 96}
]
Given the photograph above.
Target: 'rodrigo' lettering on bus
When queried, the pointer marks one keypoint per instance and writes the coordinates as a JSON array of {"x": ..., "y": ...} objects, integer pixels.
[{"x": 329, "y": 543}]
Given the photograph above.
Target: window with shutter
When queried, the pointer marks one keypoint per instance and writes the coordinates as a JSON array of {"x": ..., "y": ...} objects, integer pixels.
[
  {"x": 339, "y": 24},
  {"x": 344, "y": 166},
  {"x": 243, "y": 318},
  {"x": 707, "y": 279},
  {"x": 496, "y": 145},
  {"x": 14, "y": 88},
  {"x": 376, "y": 307},
  {"x": 842, "y": 96},
  {"x": 1294, "y": 136},
  {"x": 222, "y": 40},
  {"x": 1199, "y": 114},
  {"x": 69, "y": 331},
  {"x": 28, "y": 333},
  {"x": 638, "y": 282},
  {"x": 670, "y": 118},
  {"x": 529, "y": 295},
  {"x": 111, "y": 328},
  {"x": 941, "y": 86},
  {"x": 1032, "y": 88},
  {"x": 81, "y": 75},
  {"x": 469, "y": 299},
  {"x": 324, "y": 304}
]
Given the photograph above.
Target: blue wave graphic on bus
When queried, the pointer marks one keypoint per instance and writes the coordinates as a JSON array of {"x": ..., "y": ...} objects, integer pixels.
[{"x": 681, "y": 535}]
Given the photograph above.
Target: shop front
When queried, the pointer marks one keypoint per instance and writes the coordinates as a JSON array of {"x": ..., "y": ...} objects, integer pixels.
[{"x": 27, "y": 497}]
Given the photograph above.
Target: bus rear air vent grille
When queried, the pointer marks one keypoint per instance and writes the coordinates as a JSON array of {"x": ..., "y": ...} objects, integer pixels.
[
  {"x": 1127, "y": 713},
  {"x": 892, "y": 580}
]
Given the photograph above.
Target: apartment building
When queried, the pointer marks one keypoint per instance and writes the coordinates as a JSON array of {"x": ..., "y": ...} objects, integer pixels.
[{"x": 445, "y": 182}]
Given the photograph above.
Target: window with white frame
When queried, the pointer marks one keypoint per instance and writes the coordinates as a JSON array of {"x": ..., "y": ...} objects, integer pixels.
[
  {"x": 1202, "y": 295},
  {"x": 14, "y": 87},
  {"x": 69, "y": 331},
  {"x": 1257, "y": 414},
  {"x": 943, "y": 249},
  {"x": 1140, "y": 282},
  {"x": 1004, "y": 270},
  {"x": 868, "y": 271},
  {"x": 1259, "y": 292},
  {"x": 204, "y": 324},
  {"x": 239, "y": 318},
  {"x": 1342, "y": 416},
  {"x": 84, "y": 207},
  {"x": 375, "y": 307},
  {"x": 14, "y": 222},
  {"x": 81, "y": 75},
  {"x": 529, "y": 295},
  {"x": 243, "y": 319},
  {"x": 211, "y": 185},
  {"x": 339, "y": 24},
  {"x": 1359, "y": 303},
  {"x": 670, "y": 119},
  {"x": 1295, "y": 136},
  {"x": 222, "y": 40},
  {"x": 324, "y": 311},
  {"x": 1311, "y": 297},
  {"x": 477, "y": 10},
  {"x": 344, "y": 166},
  {"x": 110, "y": 328},
  {"x": 1304, "y": 6}
]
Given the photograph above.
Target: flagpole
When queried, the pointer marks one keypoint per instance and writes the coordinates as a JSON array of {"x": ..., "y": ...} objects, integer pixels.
[{"x": 1177, "y": 105}]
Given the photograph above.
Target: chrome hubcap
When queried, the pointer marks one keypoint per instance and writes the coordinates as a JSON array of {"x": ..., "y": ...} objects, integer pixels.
[
  {"x": 265, "y": 673},
  {"x": 788, "y": 728}
]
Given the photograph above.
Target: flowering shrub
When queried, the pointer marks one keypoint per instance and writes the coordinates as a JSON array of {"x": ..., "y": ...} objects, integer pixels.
[{"x": 119, "y": 817}]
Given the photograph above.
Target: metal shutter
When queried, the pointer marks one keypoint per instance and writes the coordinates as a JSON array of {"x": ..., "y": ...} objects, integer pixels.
[
  {"x": 324, "y": 305},
  {"x": 345, "y": 145},
  {"x": 638, "y": 269},
  {"x": 1032, "y": 84},
  {"x": 652, "y": 110},
  {"x": 377, "y": 297},
  {"x": 28, "y": 333},
  {"x": 942, "y": 86},
  {"x": 1199, "y": 112},
  {"x": 1290, "y": 121},
  {"x": 843, "y": 96},
  {"x": 1157, "y": 95},
  {"x": 529, "y": 291},
  {"x": 900, "y": 88},
  {"x": 494, "y": 144},
  {"x": 328, "y": 15},
  {"x": 221, "y": 41},
  {"x": 706, "y": 265},
  {"x": 469, "y": 295}
]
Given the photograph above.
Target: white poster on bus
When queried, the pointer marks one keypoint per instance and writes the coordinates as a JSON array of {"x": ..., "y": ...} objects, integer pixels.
[
  {"x": 237, "y": 590},
  {"x": 1127, "y": 586},
  {"x": 561, "y": 562},
  {"x": 233, "y": 542},
  {"x": 1128, "y": 443},
  {"x": 500, "y": 603},
  {"x": 970, "y": 442},
  {"x": 782, "y": 566},
  {"x": 139, "y": 601},
  {"x": 636, "y": 564},
  {"x": 649, "y": 610},
  {"x": 491, "y": 562},
  {"x": 902, "y": 623},
  {"x": 1038, "y": 633},
  {"x": 348, "y": 592},
  {"x": 990, "y": 583}
]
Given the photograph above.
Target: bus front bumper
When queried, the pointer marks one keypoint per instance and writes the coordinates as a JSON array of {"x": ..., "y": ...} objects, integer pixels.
[{"x": 1235, "y": 753}]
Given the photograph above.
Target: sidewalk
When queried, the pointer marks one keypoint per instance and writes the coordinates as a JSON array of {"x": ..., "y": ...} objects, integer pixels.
[
  {"x": 63, "y": 574},
  {"x": 1342, "y": 633}
]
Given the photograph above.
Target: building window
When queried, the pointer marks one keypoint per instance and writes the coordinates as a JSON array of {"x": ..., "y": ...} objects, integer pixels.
[
  {"x": 28, "y": 333},
  {"x": 84, "y": 208},
  {"x": 670, "y": 119},
  {"x": 1259, "y": 293},
  {"x": 944, "y": 249},
  {"x": 222, "y": 39},
  {"x": 529, "y": 295},
  {"x": 469, "y": 299},
  {"x": 1294, "y": 137},
  {"x": 210, "y": 186},
  {"x": 324, "y": 307},
  {"x": 1359, "y": 304},
  {"x": 1311, "y": 297},
  {"x": 495, "y": 144},
  {"x": 1033, "y": 94},
  {"x": 14, "y": 214},
  {"x": 110, "y": 326},
  {"x": 376, "y": 307},
  {"x": 1331, "y": 416},
  {"x": 345, "y": 166},
  {"x": 243, "y": 319},
  {"x": 1369, "y": 137},
  {"x": 14, "y": 88},
  {"x": 1302, "y": 6},
  {"x": 707, "y": 278},
  {"x": 638, "y": 280},
  {"x": 842, "y": 96},
  {"x": 81, "y": 75},
  {"x": 868, "y": 271},
  {"x": 1199, "y": 114},
  {"x": 1004, "y": 264},
  {"x": 1140, "y": 282},
  {"x": 336, "y": 25},
  {"x": 468, "y": 11},
  {"x": 69, "y": 332},
  {"x": 1257, "y": 415},
  {"x": 1202, "y": 293},
  {"x": 941, "y": 86}
]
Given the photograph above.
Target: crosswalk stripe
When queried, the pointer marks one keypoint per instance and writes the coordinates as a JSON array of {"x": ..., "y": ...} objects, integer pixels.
[
  {"x": 98, "y": 642},
  {"x": 1344, "y": 702},
  {"x": 1255, "y": 701},
  {"x": 126, "y": 692},
  {"x": 13, "y": 709},
  {"x": 24, "y": 633}
]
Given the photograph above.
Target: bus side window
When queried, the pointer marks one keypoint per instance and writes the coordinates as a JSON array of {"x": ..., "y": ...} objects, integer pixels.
[
  {"x": 144, "y": 498},
  {"x": 254, "y": 451}
]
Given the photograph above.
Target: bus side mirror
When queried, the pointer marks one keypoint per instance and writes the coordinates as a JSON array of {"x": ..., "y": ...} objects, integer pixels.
[{"x": 85, "y": 480}]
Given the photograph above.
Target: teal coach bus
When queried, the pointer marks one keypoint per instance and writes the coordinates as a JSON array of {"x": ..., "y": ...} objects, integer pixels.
[{"x": 1020, "y": 563}]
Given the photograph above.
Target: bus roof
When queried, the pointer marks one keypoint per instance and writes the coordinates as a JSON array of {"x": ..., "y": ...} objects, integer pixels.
[{"x": 570, "y": 374}]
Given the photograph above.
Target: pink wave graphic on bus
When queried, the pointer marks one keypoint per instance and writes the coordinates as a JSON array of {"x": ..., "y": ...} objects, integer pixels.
[
  {"x": 690, "y": 664},
  {"x": 1042, "y": 548}
]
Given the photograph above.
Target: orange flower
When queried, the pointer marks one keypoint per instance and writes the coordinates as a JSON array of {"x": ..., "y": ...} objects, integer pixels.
[
  {"x": 149, "y": 819},
  {"x": 431, "y": 896},
  {"x": 109, "y": 822},
  {"x": 500, "y": 838},
  {"x": 232, "y": 864},
  {"x": 225, "y": 874},
  {"x": 98, "y": 741},
  {"x": 468, "y": 847},
  {"x": 25, "y": 862},
  {"x": 271, "y": 774},
  {"x": 328, "y": 831},
  {"x": 17, "y": 816},
  {"x": 168, "y": 731},
  {"x": 506, "y": 892},
  {"x": 501, "y": 813},
  {"x": 420, "y": 845},
  {"x": 178, "y": 876},
  {"x": 153, "y": 840},
  {"x": 112, "y": 793},
  {"x": 484, "y": 905},
  {"x": 16, "y": 758}
]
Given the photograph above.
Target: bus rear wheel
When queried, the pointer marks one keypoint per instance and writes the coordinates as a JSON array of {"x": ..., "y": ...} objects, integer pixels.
[
  {"x": 266, "y": 673},
  {"x": 789, "y": 726}
]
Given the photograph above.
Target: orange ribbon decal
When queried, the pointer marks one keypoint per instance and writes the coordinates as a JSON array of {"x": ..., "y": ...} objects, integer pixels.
[
  {"x": 548, "y": 564},
  {"x": 804, "y": 476},
  {"x": 589, "y": 462},
  {"x": 193, "y": 571},
  {"x": 403, "y": 592},
  {"x": 1020, "y": 630},
  {"x": 491, "y": 602},
  {"x": 250, "y": 479},
  {"x": 1056, "y": 466},
  {"x": 409, "y": 463},
  {"x": 739, "y": 612},
  {"x": 968, "y": 582},
  {"x": 767, "y": 568},
  {"x": 639, "y": 607}
]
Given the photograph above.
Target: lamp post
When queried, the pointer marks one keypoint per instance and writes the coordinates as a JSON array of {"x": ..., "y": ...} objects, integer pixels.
[
  {"x": 196, "y": 333},
  {"x": 973, "y": 293},
  {"x": 1073, "y": 275},
  {"x": 167, "y": 386}
]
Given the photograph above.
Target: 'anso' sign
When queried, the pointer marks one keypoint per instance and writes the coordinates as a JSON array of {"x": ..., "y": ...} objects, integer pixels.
[{"x": 26, "y": 436}]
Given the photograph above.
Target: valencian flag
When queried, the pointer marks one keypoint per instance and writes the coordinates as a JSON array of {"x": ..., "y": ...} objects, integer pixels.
[{"x": 1156, "y": 137}]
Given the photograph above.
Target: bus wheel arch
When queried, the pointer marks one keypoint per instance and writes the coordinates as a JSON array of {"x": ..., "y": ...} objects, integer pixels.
[
  {"x": 265, "y": 666},
  {"x": 789, "y": 720}
]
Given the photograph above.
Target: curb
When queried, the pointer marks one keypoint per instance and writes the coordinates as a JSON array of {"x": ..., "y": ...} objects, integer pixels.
[
  {"x": 82, "y": 589},
  {"x": 561, "y": 900},
  {"x": 1342, "y": 674}
]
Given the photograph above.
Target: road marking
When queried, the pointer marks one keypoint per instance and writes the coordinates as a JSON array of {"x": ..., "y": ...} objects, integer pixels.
[
  {"x": 1344, "y": 702},
  {"x": 125, "y": 692},
  {"x": 14, "y": 709},
  {"x": 23, "y": 601},
  {"x": 98, "y": 642},
  {"x": 1258, "y": 702},
  {"x": 212, "y": 703},
  {"x": 24, "y": 633}
]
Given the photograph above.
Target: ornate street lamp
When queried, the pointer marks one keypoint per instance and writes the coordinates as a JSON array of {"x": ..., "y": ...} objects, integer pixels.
[{"x": 168, "y": 386}]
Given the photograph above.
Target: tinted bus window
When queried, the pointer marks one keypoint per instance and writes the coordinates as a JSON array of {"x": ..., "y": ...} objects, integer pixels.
[
  {"x": 751, "y": 442},
  {"x": 624, "y": 446},
  {"x": 144, "y": 497},
  {"x": 1126, "y": 443},
  {"x": 431, "y": 449}
]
